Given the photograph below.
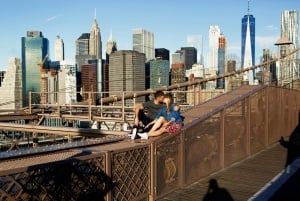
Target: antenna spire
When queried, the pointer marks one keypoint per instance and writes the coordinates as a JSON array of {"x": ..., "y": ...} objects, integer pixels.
[{"x": 248, "y": 7}]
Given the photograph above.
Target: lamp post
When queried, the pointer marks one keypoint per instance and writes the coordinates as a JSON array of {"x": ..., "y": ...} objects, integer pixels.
[{"x": 283, "y": 48}]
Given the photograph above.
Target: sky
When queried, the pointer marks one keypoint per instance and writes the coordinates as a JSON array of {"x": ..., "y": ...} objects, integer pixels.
[{"x": 171, "y": 21}]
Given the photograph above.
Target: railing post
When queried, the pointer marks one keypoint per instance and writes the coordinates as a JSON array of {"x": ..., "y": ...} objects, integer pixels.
[
  {"x": 266, "y": 118},
  {"x": 222, "y": 138},
  {"x": 29, "y": 100},
  {"x": 248, "y": 125}
]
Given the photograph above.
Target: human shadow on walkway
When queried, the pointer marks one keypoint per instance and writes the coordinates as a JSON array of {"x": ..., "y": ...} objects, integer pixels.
[
  {"x": 292, "y": 145},
  {"x": 216, "y": 193}
]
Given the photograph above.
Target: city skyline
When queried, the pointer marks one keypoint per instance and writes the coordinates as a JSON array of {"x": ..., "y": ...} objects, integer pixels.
[{"x": 166, "y": 20}]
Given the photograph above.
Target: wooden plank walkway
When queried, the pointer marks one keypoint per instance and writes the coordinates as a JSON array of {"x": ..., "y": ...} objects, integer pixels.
[{"x": 241, "y": 180}]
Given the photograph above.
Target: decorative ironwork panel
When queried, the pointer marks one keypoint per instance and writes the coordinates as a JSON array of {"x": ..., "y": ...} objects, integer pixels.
[
  {"x": 202, "y": 148},
  {"x": 258, "y": 121},
  {"x": 130, "y": 173},
  {"x": 71, "y": 179},
  {"x": 235, "y": 132},
  {"x": 168, "y": 164}
]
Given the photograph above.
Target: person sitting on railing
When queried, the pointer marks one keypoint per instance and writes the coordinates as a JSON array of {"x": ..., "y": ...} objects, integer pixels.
[
  {"x": 146, "y": 113},
  {"x": 168, "y": 119}
]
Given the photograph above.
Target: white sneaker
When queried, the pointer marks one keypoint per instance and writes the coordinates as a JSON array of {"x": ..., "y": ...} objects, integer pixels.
[
  {"x": 134, "y": 132},
  {"x": 143, "y": 136}
]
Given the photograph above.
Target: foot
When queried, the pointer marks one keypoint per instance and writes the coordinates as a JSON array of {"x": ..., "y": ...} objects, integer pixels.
[{"x": 143, "y": 136}]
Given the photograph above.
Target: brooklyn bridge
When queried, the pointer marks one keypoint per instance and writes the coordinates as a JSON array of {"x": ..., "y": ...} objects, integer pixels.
[{"x": 242, "y": 142}]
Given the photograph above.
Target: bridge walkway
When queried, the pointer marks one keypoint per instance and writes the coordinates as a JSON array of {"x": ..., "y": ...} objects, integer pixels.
[{"x": 242, "y": 179}]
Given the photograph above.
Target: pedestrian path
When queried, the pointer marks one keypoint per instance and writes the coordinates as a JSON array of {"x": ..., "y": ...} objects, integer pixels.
[{"x": 241, "y": 180}]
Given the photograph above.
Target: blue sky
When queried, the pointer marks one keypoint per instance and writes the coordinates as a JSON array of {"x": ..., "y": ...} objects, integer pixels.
[{"x": 171, "y": 21}]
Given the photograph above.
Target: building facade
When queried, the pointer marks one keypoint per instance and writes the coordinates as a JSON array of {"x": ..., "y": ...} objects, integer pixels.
[
  {"x": 159, "y": 73},
  {"x": 59, "y": 53},
  {"x": 95, "y": 42},
  {"x": 290, "y": 30},
  {"x": 35, "y": 48},
  {"x": 11, "y": 87},
  {"x": 67, "y": 83},
  {"x": 221, "y": 61},
  {"x": 127, "y": 72},
  {"x": 214, "y": 34},
  {"x": 196, "y": 41},
  {"x": 143, "y": 42},
  {"x": 248, "y": 46}
]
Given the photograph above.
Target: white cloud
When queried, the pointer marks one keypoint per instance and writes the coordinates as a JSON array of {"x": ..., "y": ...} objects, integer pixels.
[
  {"x": 271, "y": 27},
  {"x": 51, "y": 18},
  {"x": 266, "y": 41}
]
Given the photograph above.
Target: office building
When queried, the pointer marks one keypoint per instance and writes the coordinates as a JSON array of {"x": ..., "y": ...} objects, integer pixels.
[
  {"x": 59, "y": 54},
  {"x": 88, "y": 46},
  {"x": 35, "y": 50},
  {"x": 127, "y": 72},
  {"x": 178, "y": 77},
  {"x": 95, "y": 43},
  {"x": 162, "y": 53},
  {"x": 221, "y": 61},
  {"x": 196, "y": 41},
  {"x": 67, "y": 83},
  {"x": 111, "y": 46},
  {"x": 189, "y": 56},
  {"x": 159, "y": 73},
  {"x": 290, "y": 30},
  {"x": 214, "y": 34},
  {"x": 143, "y": 42},
  {"x": 248, "y": 46},
  {"x": 89, "y": 82},
  {"x": 11, "y": 87}
]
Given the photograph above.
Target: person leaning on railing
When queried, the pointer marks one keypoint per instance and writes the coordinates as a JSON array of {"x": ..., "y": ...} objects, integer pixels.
[{"x": 152, "y": 107}]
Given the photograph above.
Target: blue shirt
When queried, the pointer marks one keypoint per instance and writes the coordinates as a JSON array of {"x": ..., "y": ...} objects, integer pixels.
[{"x": 175, "y": 115}]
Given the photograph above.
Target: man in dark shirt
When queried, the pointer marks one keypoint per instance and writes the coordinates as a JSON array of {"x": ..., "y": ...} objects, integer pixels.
[{"x": 147, "y": 111}]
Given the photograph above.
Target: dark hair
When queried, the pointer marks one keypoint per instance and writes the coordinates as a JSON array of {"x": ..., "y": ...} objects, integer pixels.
[{"x": 158, "y": 94}]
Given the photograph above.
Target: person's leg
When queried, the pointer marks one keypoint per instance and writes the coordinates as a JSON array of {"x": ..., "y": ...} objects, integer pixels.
[
  {"x": 157, "y": 124},
  {"x": 157, "y": 132}
]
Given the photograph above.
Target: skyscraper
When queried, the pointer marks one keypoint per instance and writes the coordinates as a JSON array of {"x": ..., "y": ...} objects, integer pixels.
[
  {"x": 127, "y": 72},
  {"x": 111, "y": 46},
  {"x": 248, "y": 45},
  {"x": 95, "y": 43},
  {"x": 35, "y": 49},
  {"x": 214, "y": 33},
  {"x": 59, "y": 54},
  {"x": 82, "y": 50},
  {"x": 221, "y": 61},
  {"x": 290, "y": 30},
  {"x": 89, "y": 46},
  {"x": 162, "y": 53},
  {"x": 11, "y": 88},
  {"x": 196, "y": 42},
  {"x": 143, "y": 42},
  {"x": 189, "y": 56}
]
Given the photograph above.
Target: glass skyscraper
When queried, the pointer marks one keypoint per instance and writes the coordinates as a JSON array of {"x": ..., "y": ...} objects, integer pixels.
[
  {"x": 34, "y": 49},
  {"x": 248, "y": 46},
  {"x": 248, "y": 40}
]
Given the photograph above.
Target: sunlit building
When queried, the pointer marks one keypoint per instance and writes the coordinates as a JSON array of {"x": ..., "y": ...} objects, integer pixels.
[{"x": 35, "y": 48}]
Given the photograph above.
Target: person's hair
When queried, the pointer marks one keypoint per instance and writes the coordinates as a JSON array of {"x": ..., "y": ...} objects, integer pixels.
[
  {"x": 169, "y": 96},
  {"x": 158, "y": 94}
]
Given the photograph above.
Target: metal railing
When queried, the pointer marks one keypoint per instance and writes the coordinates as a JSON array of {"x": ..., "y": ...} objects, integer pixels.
[{"x": 216, "y": 134}]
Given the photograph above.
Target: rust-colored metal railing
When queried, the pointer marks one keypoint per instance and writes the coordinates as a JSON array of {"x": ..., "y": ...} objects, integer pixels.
[{"x": 216, "y": 134}]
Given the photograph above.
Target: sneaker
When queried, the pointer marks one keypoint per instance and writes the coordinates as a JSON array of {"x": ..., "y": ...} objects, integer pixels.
[
  {"x": 134, "y": 132},
  {"x": 144, "y": 136}
]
